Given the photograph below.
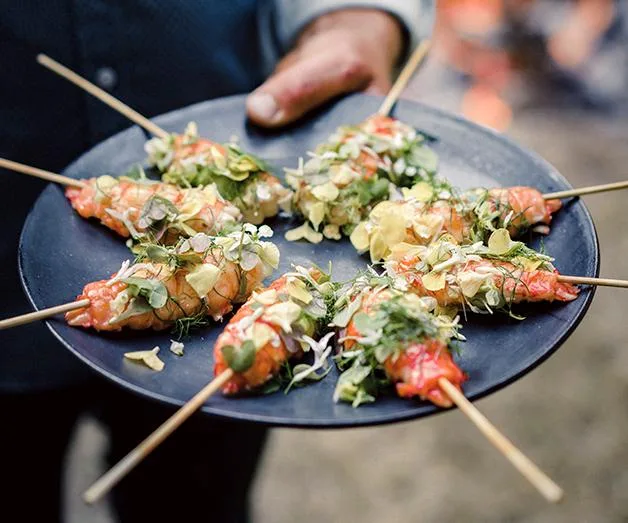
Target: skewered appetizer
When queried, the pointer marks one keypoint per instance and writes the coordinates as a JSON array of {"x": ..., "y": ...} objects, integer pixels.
[
  {"x": 477, "y": 277},
  {"x": 149, "y": 210},
  {"x": 200, "y": 277},
  {"x": 190, "y": 161},
  {"x": 275, "y": 325},
  {"x": 427, "y": 212},
  {"x": 382, "y": 143},
  {"x": 391, "y": 337},
  {"x": 342, "y": 181}
]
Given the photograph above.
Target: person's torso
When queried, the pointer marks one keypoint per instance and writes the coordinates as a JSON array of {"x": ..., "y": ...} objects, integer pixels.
[{"x": 156, "y": 56}]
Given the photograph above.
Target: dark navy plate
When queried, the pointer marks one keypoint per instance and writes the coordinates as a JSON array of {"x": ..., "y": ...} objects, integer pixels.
[{"x": 60, "y": 252}]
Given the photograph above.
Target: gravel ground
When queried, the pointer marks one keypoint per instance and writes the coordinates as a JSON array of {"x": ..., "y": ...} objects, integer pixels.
[{"x": 567, "y": 415}]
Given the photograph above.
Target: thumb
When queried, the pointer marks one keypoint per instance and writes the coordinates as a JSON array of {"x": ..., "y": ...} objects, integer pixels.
[{"x": 305, "y": 83}]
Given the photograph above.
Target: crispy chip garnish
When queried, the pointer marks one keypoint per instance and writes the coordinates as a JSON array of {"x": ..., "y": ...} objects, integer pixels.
[{"x": 148, "y": 358}]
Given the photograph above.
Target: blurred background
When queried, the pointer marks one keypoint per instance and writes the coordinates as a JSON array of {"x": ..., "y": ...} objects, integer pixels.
[{"x": 553, "y": 75}]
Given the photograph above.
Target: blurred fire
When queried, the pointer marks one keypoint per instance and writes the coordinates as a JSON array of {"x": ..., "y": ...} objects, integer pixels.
[{"x": 472, "y": 37}]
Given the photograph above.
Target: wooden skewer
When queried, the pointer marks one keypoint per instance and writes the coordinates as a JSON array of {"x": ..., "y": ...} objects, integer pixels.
[
  {"x": 103, "y": 96},
  {"x": 586, "y": 190},
  {"x": 133, "y": 458},
  {"x": 42, "y": 314},
  {"x": 605, "y": 282},
  {"x": 409, "y": 69},
  {"x": 415, "y": 60},
  {"x": 417, "y": 57},
  {"x": 545, "y": 485},
  {"x": 550, "y": 490},
  {"x": 40, "y": 173},
  {"x": 45, "y": 313}
]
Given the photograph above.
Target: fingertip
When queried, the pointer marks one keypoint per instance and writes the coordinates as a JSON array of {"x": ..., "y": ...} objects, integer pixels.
[{"x": 263, "y": 109}]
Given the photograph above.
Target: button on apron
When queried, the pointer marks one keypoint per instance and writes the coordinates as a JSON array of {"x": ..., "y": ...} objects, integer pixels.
[{"x": 106, "y": 78}]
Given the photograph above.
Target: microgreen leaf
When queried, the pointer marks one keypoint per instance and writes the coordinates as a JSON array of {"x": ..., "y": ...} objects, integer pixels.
[
  {"x": 240, "y": 359},
  {"x": 157, "y": 253},
  {"x": 342, "y": 318},
  {"x": 136, "y": 172},
  {"x": 154, "y": 291},
  {"x": 424, "y": 157},
  {"x": 135, "y": 308},
  {"x": 364, "y": 323},
  {"x": 361, "y": 321},
  {"x": 157, "y": 209}
]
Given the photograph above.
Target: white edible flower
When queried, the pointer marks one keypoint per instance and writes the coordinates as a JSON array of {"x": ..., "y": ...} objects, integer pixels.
[
  {"x": 118, "y": 305},
  {"x": 400, "y": 284},
  {"x": 160, "y": 152},
  {"x": 327, "y": 155},
  {"x": 232, "y": 213},
  {"x": 249, "y": 260},
  {"x": 124, "y": 218},
  {"x": 265, "y": 232},
  {"x": 370, "y": 337},
  {"x": 350, "y": 149},
  {"x": 321, "y": 351},
  {"x": 249, "y": 320},
  {"x": 398, "y": 140},
  {"x": 176, "y": 347},
  {"x": 293, "y": 175},
  {"x": 200, "y": 242},
  {"x": 127, "y": 270},
  {"x": 414, "y": 303},
  {"x": 121, "y": 273},
  {"x": 457, "y": 257},
  {"x": 263, "y": 192},
  {"x": 248, "y": 227},
  {"x": 399, "y": 166}
]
